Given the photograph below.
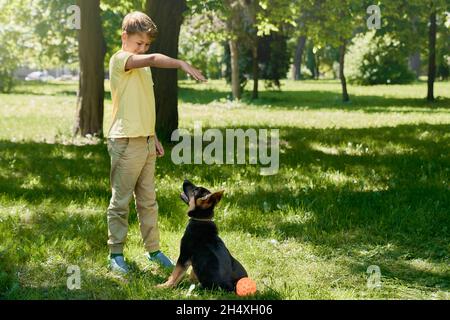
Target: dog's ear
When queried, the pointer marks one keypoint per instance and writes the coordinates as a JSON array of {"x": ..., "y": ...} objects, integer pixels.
[
  {"x": 216, "y": 196},
  {"x": 210, "y": 199}
]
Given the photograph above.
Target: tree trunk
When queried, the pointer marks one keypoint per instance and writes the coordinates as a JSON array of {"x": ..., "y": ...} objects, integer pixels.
[
  {"x": 255, "y": 69},
  {"x": 316, "y": 70},
  {"x": 168, "y": 18},
  {"x": 234, "y": 27},
  {"x": 296, "y": 71},
  {"x": 431, "y": 56},
  {"x": 235, "y": 84},
  {"x": 92, "y": 48},
  {"x": 342, "y": 49},
  {"x": 414, "y": 63}
]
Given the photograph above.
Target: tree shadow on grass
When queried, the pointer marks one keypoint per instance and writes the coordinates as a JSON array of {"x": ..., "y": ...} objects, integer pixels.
[
  {"x": 57, "y": 172},
  {"x": 312, "y": 100},
  {"x": 36, "y": 171},
  {"x": 395, "y": 267},
  {"x": 411, "y": 178},
  {"x": 286, "y": 99},
  {"x": 316, "y": 100},
  {"x": 195, "y": 96}
]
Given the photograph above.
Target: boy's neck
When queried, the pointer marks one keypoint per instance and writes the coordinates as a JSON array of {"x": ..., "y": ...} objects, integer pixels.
[{"x": 125, "y": 50}]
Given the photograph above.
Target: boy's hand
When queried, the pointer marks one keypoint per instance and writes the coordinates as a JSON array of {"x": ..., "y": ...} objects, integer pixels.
[
  {"x": 159, "y": 148},
  {"x": 195, "y": 73}
]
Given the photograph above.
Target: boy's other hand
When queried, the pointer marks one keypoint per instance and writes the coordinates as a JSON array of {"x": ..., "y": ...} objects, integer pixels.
[
  {"x": 159, "y": 148},
  {"x": 195, "y": 73}
]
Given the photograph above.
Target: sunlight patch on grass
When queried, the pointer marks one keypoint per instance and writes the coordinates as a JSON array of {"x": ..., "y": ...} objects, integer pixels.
[{"x": 363, "y": 149}]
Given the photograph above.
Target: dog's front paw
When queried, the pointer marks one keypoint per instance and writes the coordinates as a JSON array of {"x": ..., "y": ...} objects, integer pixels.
[{"x": 165, "y": 285}]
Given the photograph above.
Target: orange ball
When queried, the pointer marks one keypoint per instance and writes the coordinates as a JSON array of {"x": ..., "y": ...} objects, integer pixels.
[{"x": 245, "y": 287}]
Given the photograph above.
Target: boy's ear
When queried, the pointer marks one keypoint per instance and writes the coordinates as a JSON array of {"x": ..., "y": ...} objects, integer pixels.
[{"x": 124, "y": 36}]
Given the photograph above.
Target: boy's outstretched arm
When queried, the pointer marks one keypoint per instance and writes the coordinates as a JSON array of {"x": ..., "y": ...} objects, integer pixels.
[{"x": 158, "y": 60}]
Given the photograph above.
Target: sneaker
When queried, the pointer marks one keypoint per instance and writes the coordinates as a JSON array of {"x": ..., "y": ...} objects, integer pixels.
[
  {"x": 161, "y": 259},
  {"x": 118, "y": 264}
]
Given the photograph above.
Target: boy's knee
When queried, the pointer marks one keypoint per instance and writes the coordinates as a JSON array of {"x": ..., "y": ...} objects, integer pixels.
[
  {"x": 121, "y": 212},
  {"x": 146, "y": 204},
  {"x": 119, "y": 204}
]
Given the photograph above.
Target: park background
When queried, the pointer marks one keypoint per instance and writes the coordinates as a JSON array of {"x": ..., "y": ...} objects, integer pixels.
[{"x": 363, "y": 114}]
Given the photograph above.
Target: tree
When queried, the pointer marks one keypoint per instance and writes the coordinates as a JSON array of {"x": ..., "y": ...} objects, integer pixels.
[
  {"x": 437, "y": 9},
  {"x": 306, "y": 12},
  {"x": 247, "y": 21},
  {"x": 31, "y": 38},
  {"x": 57, "y": 42},
  {"x": 339, "y": 21},
  {"x": 431, "y": 55},
  {"x": 250, "y": 32},
  {"x": 232, "y": 9},
  {"x": 417, "y": 24},
  {"x": 299, "y": 49},
  {"x": 89, "y": 115},
  {"x": 10, "y": 49},
  {"x": 168, "y": 17}
]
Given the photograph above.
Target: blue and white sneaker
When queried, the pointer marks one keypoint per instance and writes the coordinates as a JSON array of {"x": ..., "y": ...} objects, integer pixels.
[
  {"x": 161, "y": 259},
  {"x": 118, "y": 264}
]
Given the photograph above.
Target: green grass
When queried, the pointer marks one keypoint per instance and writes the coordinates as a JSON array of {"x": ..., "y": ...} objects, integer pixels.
[{"x": 361, "y": 183}]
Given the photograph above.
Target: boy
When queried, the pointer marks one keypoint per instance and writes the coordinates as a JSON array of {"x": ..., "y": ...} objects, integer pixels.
[{"x": 132, "y": 142}]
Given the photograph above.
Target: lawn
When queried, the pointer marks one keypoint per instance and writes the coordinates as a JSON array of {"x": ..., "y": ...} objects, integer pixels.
[{"x": 360, "y": 184}]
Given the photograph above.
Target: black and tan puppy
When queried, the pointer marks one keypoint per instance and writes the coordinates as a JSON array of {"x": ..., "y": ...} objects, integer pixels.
[{"x": 212, "y": 264}]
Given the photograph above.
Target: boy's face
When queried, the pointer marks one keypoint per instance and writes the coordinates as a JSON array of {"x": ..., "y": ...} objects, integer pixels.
[{"x": 137, "y": 43}]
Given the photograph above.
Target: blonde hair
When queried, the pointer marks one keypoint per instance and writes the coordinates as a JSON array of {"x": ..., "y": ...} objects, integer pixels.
[{"x": 138, "y": 22}]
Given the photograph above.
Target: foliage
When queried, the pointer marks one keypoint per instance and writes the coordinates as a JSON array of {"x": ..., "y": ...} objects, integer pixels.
[
  {"x": 57, "y": 42},
  {"x": 408, "y": 22},
  {"x": 8, "y": 60},
  {"x": 200, "y": 43},
  {"x": 378, "y": 61},
  {"x": 245, "y": 63},
  {"x": 274, "y": 15},
  {"x": 200, "y": 6},
  {"x": 273, "y": 59},
  {"x": 443, "y": 46},
  {"x": 15, "y": 45},
  {"x": 336, "y": 21},
  {"x": 321, "y": 61}
]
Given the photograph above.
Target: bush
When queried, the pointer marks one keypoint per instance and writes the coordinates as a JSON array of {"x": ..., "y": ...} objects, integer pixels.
[
  {"x": 7, "y": 67},
  {"x": 6, "y": 80},
  {"x": 443, "y": 66},
  {"x": 377, "y": 61},
  {"x": 9, "y": 58},
  {"x": 273, "y": 61},
  {"x": 273, "y": 58},
  {"x": 245, "y": 64}
]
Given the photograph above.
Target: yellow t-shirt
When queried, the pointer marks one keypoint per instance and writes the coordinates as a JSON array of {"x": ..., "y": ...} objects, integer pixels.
[{"x": 133, "y": 99}]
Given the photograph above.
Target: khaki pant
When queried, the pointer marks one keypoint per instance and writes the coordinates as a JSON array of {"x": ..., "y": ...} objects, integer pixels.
[{"x": 132, "y": 173}]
